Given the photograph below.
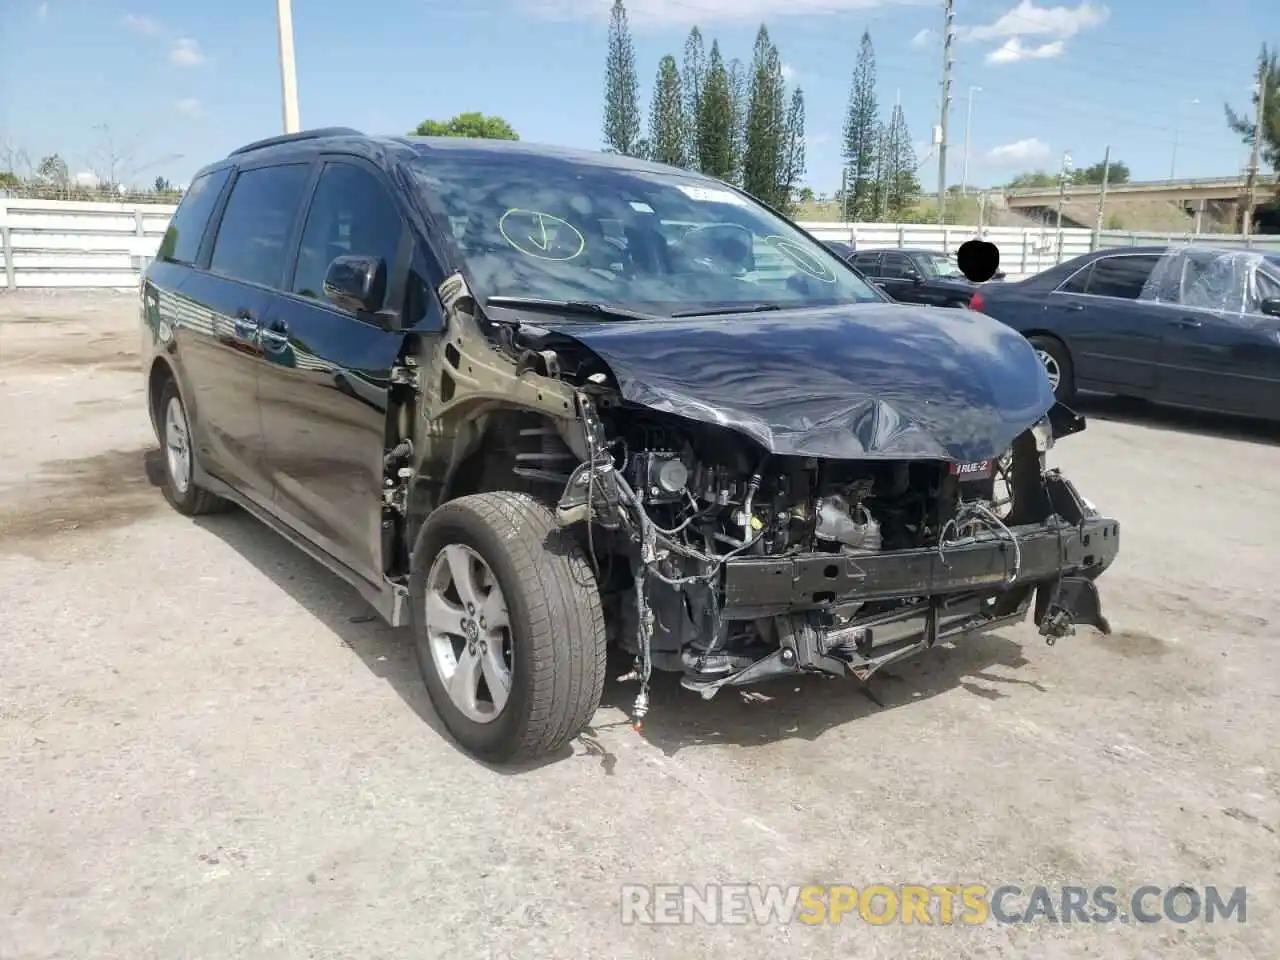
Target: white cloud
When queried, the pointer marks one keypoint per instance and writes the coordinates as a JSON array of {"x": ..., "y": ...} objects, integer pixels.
[
  {"x": 1028, "y": 20},
  {"x": 189, "y": 106},
  {"x": 1031, "y": 150},
  {"x": 186, "y": 52},
  {"x": 788, "y": 73},
  {"x": 140, "y": 24},
  {"x": 1012, "y": 51},
  {"x": 42, "y": 12},
  {"x": 688, "y": 13},
  {"x": 86, "y": 178},
  {"x": 924, "y": 38}
]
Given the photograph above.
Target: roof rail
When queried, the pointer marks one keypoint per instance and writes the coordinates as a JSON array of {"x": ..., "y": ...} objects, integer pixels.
[{"x": 316, "y": 134}]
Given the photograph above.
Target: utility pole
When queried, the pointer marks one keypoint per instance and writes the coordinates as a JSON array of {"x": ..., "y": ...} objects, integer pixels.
[
  {"x": 1255, "y": 157},
  {"x": 288, "y": 72},
  {"x": 1102, "y": 197},
  {"x": 968, "y": 122},
  {"x": 948, "y": 37},
  {"x": 1062, "y": 199},
  {"x": 1062, "y": 186}
]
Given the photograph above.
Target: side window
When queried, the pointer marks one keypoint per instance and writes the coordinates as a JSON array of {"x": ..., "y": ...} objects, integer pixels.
[
  {"x": 1265, "y": 287},
  {"x": 1121, "y": 277},
  {"x": 868, "y": 263},
  {"x": 1078, "y": 282},
  {"x": 352, "y": 213},
  {"x": 254, "y": 233},
  {"x": 181, "y": 243},
  {"x": 898, "y": 266}
]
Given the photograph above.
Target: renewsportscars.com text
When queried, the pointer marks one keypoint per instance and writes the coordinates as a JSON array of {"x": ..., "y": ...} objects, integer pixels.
[{"x": 926, "y": 904}]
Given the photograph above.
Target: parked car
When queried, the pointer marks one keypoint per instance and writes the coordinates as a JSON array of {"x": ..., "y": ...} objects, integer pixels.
[
  {"x": 841, "y": 249},
  {"x": 928, "y": 277},
  {"x": 422, "y": 362},
  {"x": 1194, "y": 326}
]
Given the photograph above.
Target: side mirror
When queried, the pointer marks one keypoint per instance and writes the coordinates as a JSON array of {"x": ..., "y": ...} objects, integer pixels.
[
  {"x": 356, "y": 283},
  {"x": 1271, "y": 306}
]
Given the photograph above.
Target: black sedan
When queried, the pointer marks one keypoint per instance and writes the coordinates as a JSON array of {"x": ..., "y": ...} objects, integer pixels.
[
  {"x": 930, "y": 277},
  {"x": 1187, "y": 325}
]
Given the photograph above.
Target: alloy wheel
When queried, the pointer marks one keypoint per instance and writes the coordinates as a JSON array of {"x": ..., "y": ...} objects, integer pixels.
[{"x": 468, "y": 632}]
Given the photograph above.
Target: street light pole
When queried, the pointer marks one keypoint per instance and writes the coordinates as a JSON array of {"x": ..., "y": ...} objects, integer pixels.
[
  {"x": 1177, "y": 130},
  {"x": 288, "y": 72},
  {"x": 968, "y": 122}
]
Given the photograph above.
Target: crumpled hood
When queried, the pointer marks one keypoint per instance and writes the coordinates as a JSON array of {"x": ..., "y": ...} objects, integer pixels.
[{"x": 876, "y": 380}]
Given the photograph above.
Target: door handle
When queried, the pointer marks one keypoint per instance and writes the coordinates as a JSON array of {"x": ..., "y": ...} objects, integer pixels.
[
  {"x": 1075, "y": 307},
  {"x": 1189, "y": 323}
]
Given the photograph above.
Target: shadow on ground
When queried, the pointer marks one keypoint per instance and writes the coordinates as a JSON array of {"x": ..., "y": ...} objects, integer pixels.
[
  {"x": 1177, "y": 419},
  {"x": 799, "y": 708},
  {"x": 805, "y": 708}
]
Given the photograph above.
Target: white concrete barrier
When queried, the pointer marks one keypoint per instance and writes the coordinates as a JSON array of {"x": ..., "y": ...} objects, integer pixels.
[{"x": 74, "y": 244}]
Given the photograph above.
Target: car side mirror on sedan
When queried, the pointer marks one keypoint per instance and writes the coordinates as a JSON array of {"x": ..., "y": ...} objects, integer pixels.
[
  {"x": 357, "y": 283},
  {"x": 1271, "y": 306}
]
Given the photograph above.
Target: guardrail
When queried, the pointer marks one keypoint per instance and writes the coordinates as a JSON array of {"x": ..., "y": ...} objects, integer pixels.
[{"x": 69, "y": 244}]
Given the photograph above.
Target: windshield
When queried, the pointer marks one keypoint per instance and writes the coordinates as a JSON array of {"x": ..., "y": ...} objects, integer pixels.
[
  {"x": 945, "y": 267},
  {"x": 561, "y": 229}
]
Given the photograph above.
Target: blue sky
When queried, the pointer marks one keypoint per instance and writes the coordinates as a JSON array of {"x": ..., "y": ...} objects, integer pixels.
[{"x": 167, "y": 87}]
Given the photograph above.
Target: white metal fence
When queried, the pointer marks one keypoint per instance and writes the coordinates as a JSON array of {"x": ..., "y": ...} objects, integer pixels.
[{"x": 69, "y": 244}]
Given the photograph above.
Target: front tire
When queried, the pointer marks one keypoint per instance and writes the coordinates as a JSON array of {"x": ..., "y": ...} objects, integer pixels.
[
  {"x": 174, "y": 432},
  {"x": 508, "y": 626},
  {"x": 1053, "y": 355}
]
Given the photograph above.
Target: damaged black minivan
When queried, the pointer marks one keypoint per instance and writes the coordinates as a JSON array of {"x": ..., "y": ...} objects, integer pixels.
[{"x": 534, "y": 403}]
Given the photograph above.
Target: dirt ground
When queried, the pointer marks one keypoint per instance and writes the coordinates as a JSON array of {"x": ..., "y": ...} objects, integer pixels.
[{"x": 209, "y": 747}]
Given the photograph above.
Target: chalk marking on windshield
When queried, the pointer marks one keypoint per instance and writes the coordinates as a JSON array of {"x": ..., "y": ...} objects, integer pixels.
[
  {"x": 805, "y": 261},
  {"x": 537, "y": 241}
]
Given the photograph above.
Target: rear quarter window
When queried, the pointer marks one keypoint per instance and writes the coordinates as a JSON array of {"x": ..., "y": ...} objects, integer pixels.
[{"x": 181, "y": 241}]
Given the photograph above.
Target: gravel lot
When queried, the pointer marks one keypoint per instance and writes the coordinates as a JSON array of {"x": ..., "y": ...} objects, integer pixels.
[{"x": 208, "y": 747}]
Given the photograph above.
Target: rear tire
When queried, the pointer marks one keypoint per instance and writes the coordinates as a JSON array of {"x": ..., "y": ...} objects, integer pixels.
[
  {"x": 1053, "y": 354},
  {"x": 174, "y": 431},
  {"x": 508, "y": 626}
]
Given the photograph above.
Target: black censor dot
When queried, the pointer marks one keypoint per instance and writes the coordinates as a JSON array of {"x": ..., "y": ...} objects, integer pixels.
[{"x": 979, "y": 260}]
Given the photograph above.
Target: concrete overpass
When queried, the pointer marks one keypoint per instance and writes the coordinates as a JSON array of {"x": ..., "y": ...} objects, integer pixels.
[{"x": 1187, "y": 192}]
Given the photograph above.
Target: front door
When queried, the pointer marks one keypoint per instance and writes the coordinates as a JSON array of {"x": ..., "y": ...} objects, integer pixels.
[
  {"x": 1116, "y": 338},
  {"x": 899, "y": 277},
  {"x": 324, "y": 395}
]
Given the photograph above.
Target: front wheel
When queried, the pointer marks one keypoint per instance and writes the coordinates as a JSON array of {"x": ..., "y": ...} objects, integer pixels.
[
  {"x": 508, "y": 626},
  {"x": 1053, "y": 355}
]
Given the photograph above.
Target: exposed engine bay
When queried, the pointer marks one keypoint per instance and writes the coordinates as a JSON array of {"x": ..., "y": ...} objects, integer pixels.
[{"x": 729, "y": 563}]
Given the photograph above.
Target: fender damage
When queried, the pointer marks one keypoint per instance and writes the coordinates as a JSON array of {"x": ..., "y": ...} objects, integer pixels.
[{"x": 825, "y": 493}]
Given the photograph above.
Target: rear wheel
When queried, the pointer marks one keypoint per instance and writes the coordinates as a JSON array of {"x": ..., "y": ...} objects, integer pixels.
[
  {"x": 508, "y": 626},
  {"x": 174, "y": 431},
  {"x": 1057, "y": 365}
]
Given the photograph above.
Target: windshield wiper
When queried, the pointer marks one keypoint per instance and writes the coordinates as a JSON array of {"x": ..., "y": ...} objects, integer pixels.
[
  {"x": 729, "y": 311},
  {"x": 578, "y": 307}
]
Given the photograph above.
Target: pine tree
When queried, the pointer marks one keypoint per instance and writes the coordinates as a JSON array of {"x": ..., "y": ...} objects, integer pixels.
[
  {"x": 766, "y": 120},
  {"x": 715, "y": 120},
  {"x": 693, "y": 79},
  {"x": 738, "y": 94},
  {"x": 622, "y": 87},
  {"x": 903, "y": 183},
  {"x": 793, "y": 163},
  {"x": 861, "y": 120},
  {"x": 667, "y": 135}
]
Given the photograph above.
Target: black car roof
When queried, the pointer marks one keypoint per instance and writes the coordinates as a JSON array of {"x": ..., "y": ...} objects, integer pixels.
[{"x": 386, "y": 149}]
